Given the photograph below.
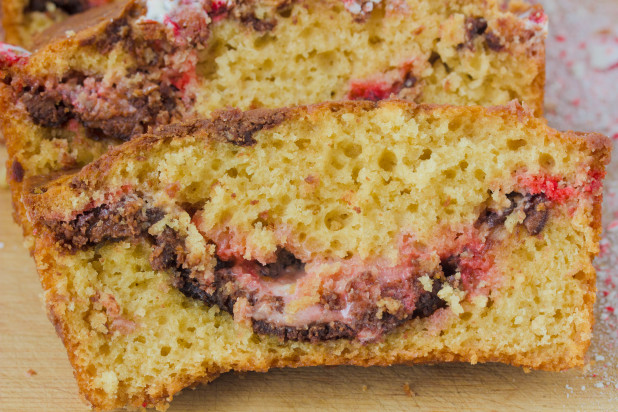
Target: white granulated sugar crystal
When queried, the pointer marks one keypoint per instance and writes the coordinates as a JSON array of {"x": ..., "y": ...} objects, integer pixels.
[
  {"x": 583, "y": 387},
  {"x": 603, "y": 55},
  {"x": 354, "y": 8},
  {"x": 157, "y": 10},
  {"x": 9, "y": 48},
  {"x": 360, "y": 6},
  {"x": 599, "y": 358},
  {"x": 1, "y": 245},
  {"x": 535, "y": 21},
  {"x": 579, "y": 70},
  {"x": 599, "y": 385}
]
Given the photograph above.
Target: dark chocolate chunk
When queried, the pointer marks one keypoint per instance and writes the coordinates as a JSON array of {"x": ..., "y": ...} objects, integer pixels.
[
  {"x": 153, "y": 215},
  {"x": 536, "y": 208},
  {"x": 123, "y": 126},
  {"x": 223, "y": 264},
  {"x": 126, "y": 219},
  {"x": 68, "y": 6},
  {"x": 475, "y": 26},
  {"x": 495, "y": 218},
  {"x": 250, "y": 19},
  {"x": 315, "y": 332},
  {"x": 192, "y": 208},
  {"x": 450, "y": 265},
  {"x": 189, "y": 286},
  {"x": 118, "y": 127},
  {"x": 494, "y": 42},
  {"x": 46, "y": 107},
  {"x": 428, "y": 303},
  {"x": 116, "y": 31},
  {"x": 286, "y": 262},
  {"x": 332, "y": 301},
  {"x": 17, "y": 171},
  {"x": 409, "y": 81},
  {"x": 169, "y": 251},
  {"x": 226, "y": 292},
  {"x": 238, "y": 127}
]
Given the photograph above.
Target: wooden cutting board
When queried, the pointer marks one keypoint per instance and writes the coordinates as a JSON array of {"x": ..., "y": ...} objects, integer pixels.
[{"x": 35, "y": 373}]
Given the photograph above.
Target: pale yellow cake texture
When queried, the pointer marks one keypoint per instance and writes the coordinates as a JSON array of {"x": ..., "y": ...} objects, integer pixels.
[
  {"x": 313, "y": 53},
  {"x": 405, "y": 167}
]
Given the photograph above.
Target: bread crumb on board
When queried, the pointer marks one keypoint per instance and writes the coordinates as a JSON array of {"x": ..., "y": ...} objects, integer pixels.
[{"x": 408, "y": 391}]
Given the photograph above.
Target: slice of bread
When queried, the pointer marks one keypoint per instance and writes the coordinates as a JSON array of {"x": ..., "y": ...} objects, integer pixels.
[
  {"x": 343, "y": 233},
  {"x": 139, "y": 64},
  {"x": 24, "y": 20}
]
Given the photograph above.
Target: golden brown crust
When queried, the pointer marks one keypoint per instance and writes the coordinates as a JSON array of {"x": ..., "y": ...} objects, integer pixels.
[{"x": 9, "y": 126}]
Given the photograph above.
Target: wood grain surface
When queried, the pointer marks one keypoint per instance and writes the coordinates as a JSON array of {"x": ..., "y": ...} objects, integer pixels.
[{"x": 35, "y": 373}]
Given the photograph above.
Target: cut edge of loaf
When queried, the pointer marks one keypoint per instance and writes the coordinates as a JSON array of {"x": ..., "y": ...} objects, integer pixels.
[{"x": 98, "y": 171}]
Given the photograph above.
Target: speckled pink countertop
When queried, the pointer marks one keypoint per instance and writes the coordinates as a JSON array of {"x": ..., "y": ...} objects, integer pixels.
[{"x": 582, "y": 95}]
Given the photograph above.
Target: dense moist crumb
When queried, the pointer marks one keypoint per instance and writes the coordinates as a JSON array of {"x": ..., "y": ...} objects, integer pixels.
[
  {"x": 259, "y": 250},
  {"x": 124, "y": 69},
  {"x": 135, "y": 69}
]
